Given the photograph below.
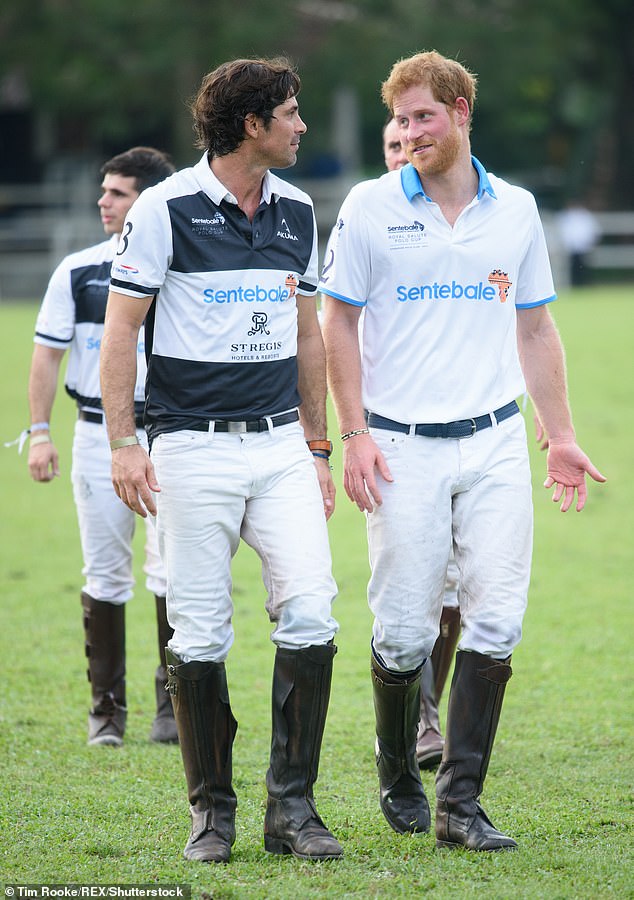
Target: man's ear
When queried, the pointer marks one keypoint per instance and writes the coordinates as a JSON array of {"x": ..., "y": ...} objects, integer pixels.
[
  {"x": 463, "y": 112},
  {"x": 252, "y": 125}
]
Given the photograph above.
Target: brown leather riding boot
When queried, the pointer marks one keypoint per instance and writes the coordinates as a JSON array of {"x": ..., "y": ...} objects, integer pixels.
[
  {"x": 301, "y": 692},
  {"x": 104, "y": 630},
  {"x": 429, "y": 740},
  {"x": 206, "y": 730},
  {"x": 444, "y": 648},
  {"x": 164, "y": 725},
  {"x": 397, "y": 707},
  {"x": 475, "y": 703}
]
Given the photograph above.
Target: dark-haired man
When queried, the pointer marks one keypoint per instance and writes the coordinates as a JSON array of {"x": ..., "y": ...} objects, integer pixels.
[
  {"x": 71, "y": 318},
  {"x": 224, "y": 258}
]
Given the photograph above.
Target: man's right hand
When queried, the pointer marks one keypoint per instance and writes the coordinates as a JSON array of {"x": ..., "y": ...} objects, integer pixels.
[
  {"x": 43, "y": 462},
  {"x": 362, "y": 461},
  {"x": 134, "y": 479}
]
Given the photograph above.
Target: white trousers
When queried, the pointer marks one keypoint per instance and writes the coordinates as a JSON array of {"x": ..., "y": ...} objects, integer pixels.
[
  {"x": 473, "y": 494},
  {"x": 451, "y": 598},
  {"x": 263, "y": 488},
  {"x": 106, "y": 525}
]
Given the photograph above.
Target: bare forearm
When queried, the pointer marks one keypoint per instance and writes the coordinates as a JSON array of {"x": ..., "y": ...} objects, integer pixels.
[
  {"x": 124, "y": 318},
  {"x": 118, "y": 378},
  {"x": 311, "y": 366},
  {"x": 543, "y": 362},
  {"x": 43, "y": 379},
  {"x": 341, "y": 337}
]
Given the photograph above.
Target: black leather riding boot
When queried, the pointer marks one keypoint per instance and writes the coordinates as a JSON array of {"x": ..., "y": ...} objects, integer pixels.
[
  {"x": 475, "y": 702},
  {"x": 429, "y": 740},
  {"x": 164, "y": 726},
  {"x": 444, "y": 648},
  {"x": 104, "y": 630},
  {"x": 206, "y": 730},
  {"x": 301, "y": 691},
  {"x": 397, "y": 708}
]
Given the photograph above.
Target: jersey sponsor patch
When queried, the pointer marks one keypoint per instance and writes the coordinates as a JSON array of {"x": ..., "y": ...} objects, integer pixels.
[
  {"x": 503, "y": 283},
  {"x": 453, "y": 290},
  {"x": 406, "y": 236},
  {"x": 256, "y": 293}
]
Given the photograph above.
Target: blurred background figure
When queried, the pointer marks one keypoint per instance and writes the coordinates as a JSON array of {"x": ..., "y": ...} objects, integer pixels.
[
  {"x": 71, "y": 318},
  {"x": 429, "y": 740},
  {"x": 393, "y": 153},
  {"x": 580, "y": 233}
]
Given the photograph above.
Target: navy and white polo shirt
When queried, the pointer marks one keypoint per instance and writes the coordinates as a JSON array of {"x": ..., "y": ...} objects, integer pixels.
[
  {"x": 439, "y": 330},
  {"x": 71, "y": 318},
  {"x": 222, "y": 332}
]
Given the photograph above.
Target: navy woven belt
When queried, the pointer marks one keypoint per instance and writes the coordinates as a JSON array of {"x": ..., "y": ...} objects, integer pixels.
[
  {"x": 222, "y": 425},
  {"x": 461, "y": 429},
  {"x": 97, "y": 418}
]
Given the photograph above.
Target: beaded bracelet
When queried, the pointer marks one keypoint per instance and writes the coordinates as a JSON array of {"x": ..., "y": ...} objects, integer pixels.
[
  {"x": 349, "y": 434},
  {"x": 322, "y": 456}
]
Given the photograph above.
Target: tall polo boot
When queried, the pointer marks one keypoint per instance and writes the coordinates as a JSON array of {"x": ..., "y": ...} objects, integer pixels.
[
  {"x": 164, "y": 725},
  {"x": 475, "y": 702},
  {"x": 444, "y": 648},
  {"x": 301, "y": 692},
  {"x": 429, "y": 739},
  {"x": 104, "y": 630},
  {"x": 397, "y": 706},
  {"x": 206, "y": 731}
]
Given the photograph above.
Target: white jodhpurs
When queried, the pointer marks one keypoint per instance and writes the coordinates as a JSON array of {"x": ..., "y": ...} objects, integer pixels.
[
  {"x": 106, "y": 525},
  {"x": 263, "y": 488},
  {"x": 473, "y": 494}
]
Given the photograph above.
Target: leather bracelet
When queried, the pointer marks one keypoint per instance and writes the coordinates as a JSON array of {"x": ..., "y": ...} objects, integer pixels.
[
  {"x": 124, "y": 442},
  {"x": 40, "y": 439},
  {"x": 323, "y": 447}
]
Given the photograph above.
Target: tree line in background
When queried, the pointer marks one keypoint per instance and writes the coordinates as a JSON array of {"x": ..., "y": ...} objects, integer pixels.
[{"x": 556, "y": 77}]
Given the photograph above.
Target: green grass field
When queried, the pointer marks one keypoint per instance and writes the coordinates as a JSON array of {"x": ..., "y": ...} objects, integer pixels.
[{"x": 560, "y": 780}]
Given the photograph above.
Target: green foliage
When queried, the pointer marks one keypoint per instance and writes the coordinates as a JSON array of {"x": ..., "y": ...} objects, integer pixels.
[
  {"x": 560, "y": 777},
  {"x": 554, "y": 74}
]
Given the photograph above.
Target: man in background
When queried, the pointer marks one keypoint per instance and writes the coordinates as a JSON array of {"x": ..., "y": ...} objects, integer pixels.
[
  {"x": 580, "y": 233},
  {"x": 71, "y": 318},
  {"x": 429, "y": 740}
]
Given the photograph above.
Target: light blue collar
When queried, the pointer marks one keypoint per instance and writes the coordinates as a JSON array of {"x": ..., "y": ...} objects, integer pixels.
[{"x": 410, "y": 179}]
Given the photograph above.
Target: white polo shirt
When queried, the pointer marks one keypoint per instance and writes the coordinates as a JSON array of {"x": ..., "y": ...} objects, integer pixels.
[
  {"x": 71, "y": 317},
  {"x": 439, "y": 331}
]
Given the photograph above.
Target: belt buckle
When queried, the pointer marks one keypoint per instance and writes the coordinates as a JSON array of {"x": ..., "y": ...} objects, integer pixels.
[
  {"x": 236, "y": 427},
  {"x": 474, "y": 427}
]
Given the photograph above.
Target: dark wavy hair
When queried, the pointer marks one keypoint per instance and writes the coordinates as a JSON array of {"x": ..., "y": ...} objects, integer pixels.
[
  {"x": 147, "y": 165},
  {"x": 228, "y": 94}
]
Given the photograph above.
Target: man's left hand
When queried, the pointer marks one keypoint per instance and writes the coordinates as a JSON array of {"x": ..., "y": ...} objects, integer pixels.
[{"x": 567, "y": 466}]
